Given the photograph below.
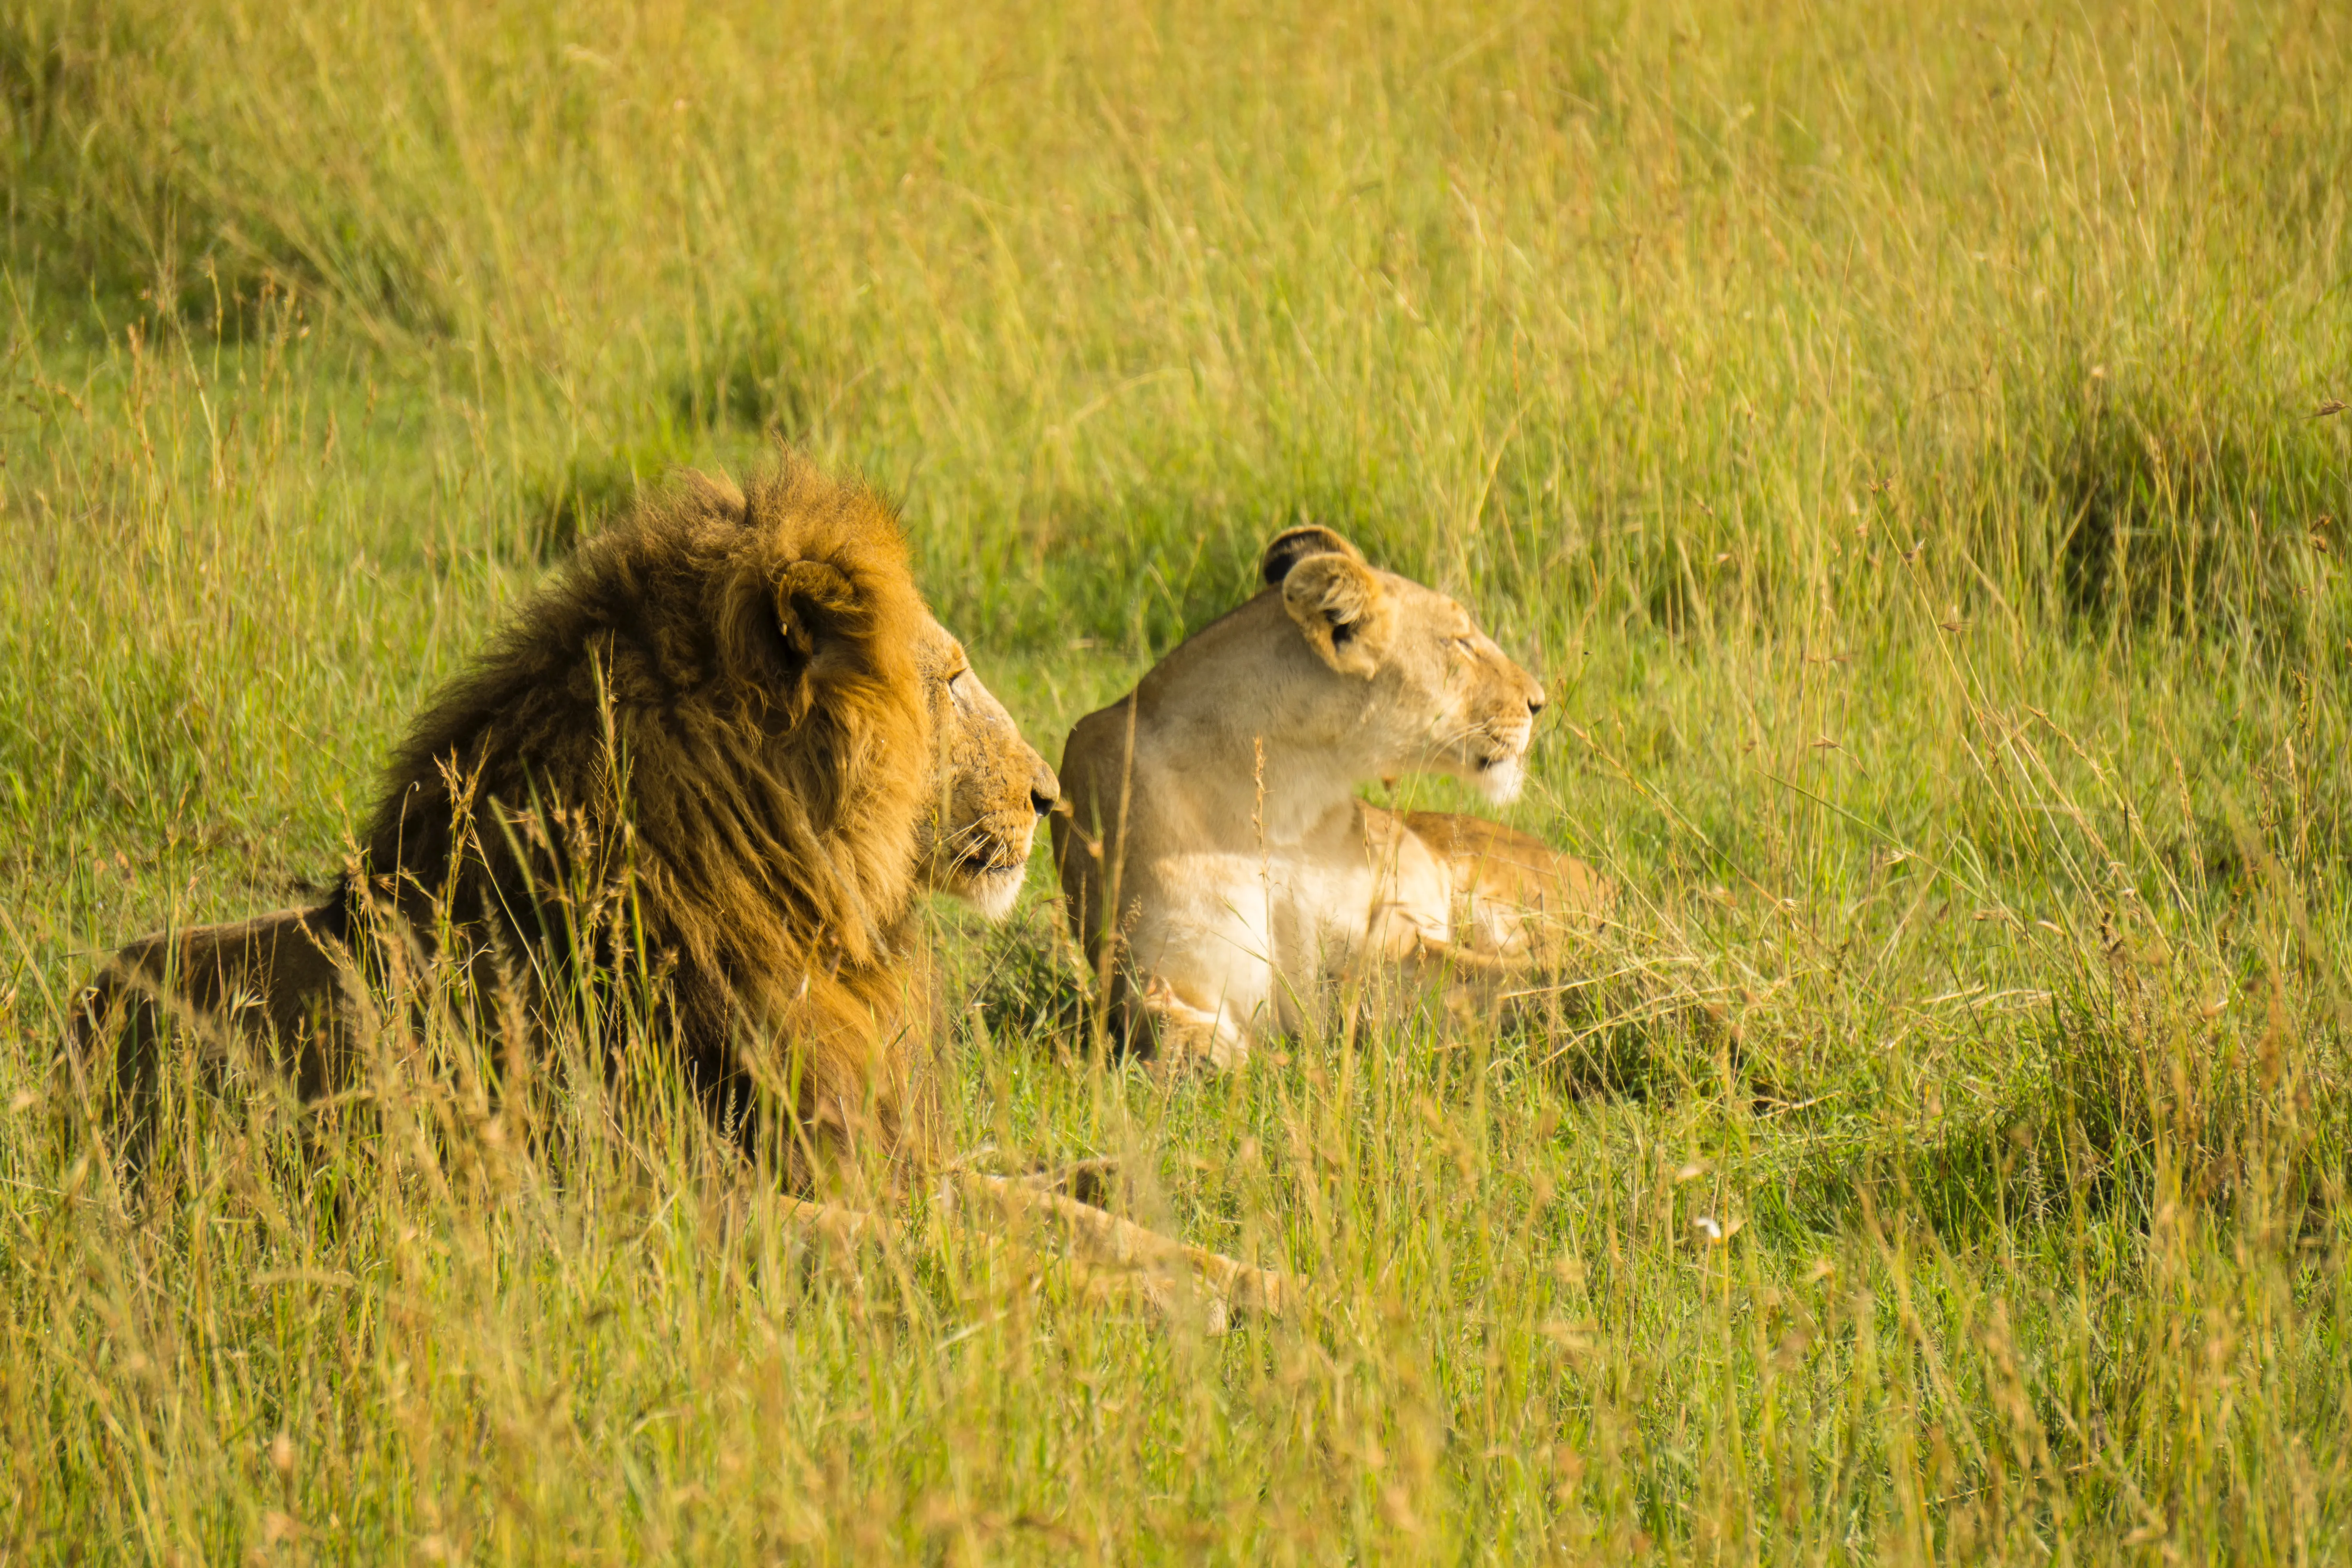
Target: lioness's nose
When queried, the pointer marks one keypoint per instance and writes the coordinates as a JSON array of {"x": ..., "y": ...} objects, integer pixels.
[
  {"x": 1535, "y": 701},
  {"x": 1044, "y": 789}
]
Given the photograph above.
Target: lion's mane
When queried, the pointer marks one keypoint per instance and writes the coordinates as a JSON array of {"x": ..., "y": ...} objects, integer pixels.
[{"x": 708, "y": 733}]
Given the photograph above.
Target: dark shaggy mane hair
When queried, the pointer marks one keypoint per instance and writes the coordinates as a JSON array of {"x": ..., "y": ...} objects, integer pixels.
[{"x": 711, "y": 729}]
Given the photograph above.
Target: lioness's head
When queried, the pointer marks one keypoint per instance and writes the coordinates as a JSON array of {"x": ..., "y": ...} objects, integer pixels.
[
  {"x": 1445, "y": 698},
  {"x": 992, "y": 786}
]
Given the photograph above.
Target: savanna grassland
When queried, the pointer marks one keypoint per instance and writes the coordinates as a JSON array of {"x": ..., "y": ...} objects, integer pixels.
[{"x": 1899, "y": 435}]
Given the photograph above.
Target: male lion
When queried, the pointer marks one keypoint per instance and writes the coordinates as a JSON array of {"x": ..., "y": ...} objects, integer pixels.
[
  {"x": 730, "y": 731},
  {"x": 1219, "y": 866}
]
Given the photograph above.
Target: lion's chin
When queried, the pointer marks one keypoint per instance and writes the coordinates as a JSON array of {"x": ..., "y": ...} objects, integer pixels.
[
  {"x": 1500, "y": 781},
  {"x": 992, "y": 893}
]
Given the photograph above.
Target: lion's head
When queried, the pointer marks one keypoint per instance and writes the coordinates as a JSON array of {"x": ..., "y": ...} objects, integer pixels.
[
  {"x": 993, "y": 785},
  {"x": 1438, "y": 694}
]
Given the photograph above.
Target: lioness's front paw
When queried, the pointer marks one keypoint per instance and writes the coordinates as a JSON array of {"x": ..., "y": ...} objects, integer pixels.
[
  {"x": 1185, "y": 1037},
  {"x": 1215, "y": 1051}
]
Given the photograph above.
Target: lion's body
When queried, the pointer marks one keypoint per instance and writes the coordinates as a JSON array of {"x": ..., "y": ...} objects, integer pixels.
[
  {"x": 1219, "y": 866},
  {"x": 724, "y": 739},
  {"x": 281, "y": 980}
]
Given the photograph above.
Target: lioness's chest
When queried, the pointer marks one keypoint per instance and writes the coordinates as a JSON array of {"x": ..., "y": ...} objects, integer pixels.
[{"x": 1295, "y": 913}]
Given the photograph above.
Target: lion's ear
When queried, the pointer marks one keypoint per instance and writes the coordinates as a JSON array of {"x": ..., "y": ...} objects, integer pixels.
[
  {"x": 814, "y": 596},
  {"x": 1288, "y": 548},
  {"x": 1339, "y": 603},
  {"x": 817, "y": 609},
  {"x": 774, "y": 636}
]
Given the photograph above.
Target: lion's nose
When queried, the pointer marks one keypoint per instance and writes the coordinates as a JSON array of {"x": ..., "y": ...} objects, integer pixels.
[
  {"x": 1044, "y": 789},
  {"x": 1535, "y": 701}
]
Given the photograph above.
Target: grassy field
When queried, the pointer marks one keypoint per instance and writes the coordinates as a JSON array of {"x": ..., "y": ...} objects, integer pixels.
[{"x": 1897, "y": 434}]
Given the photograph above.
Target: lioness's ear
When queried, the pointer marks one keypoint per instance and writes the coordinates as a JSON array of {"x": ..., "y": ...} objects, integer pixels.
[
  {"x": 1338, "y": 602},
  {"x": 1291, "y": 546}
]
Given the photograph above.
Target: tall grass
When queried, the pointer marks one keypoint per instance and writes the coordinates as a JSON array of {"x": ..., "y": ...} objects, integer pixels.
[{"x": 1894, "y": 432}]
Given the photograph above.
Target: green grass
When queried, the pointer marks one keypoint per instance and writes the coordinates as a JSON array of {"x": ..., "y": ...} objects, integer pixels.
[{"x": 1893, "y": 432}]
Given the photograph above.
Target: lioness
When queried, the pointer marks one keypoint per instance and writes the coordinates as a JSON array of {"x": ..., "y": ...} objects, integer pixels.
[{"x": 1218, "y": 867}]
